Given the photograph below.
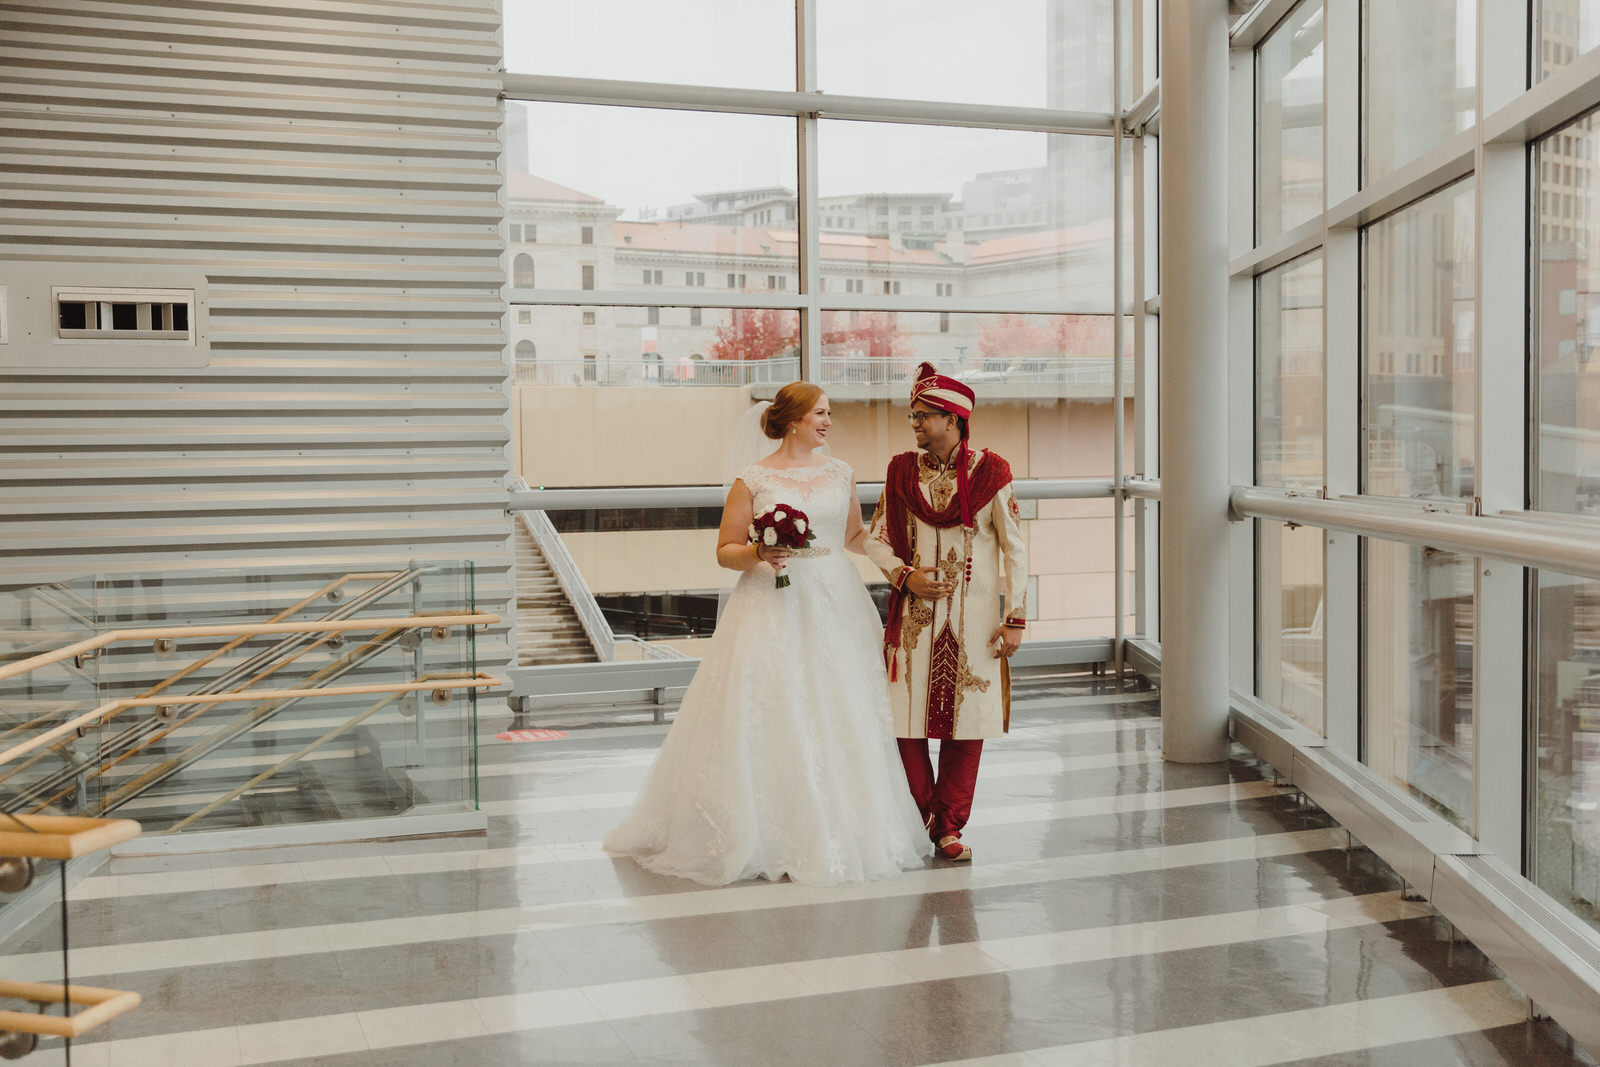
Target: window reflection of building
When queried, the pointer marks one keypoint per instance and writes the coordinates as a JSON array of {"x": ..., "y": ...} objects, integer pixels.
[
  {"x": 1568, "y": 394},
  {"x": 1421, "y": 75},
  {"x": 1420, "y": 375},
  {"x": 1289, "y": 123}
]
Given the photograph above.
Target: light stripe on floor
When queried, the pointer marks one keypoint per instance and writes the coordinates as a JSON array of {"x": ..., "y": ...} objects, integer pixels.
[
  {"x": 375, "y": 933},
  {"x": 1020, "y": 768},
  {"x": 1262, "y": 1040},
  {"x": 731, "y": 987},
  {"x": 630, "y": 758},
  {"x": 103, "y": 887}
]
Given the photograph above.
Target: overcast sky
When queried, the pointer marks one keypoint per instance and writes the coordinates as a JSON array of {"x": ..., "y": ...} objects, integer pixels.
[{"x": 632, "y": 157}]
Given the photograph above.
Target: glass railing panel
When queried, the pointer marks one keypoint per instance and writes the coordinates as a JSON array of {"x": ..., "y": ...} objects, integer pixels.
[
  {"x": 1566, "y": 786},
  {"x": 357, "y": 750},
  {"x": 1290, "y": 644},
  {"x": 376, "y": 723},
  {"x": 1419, "y": 635},
  {"x": 36, "y": 621}
]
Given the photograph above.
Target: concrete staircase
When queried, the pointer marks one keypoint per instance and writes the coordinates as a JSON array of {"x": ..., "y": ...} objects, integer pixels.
[{"x": 548, "y": 629}]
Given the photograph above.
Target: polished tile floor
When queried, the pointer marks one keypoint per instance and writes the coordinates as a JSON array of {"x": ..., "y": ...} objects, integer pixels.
[{"x": 1121, "y": 911}]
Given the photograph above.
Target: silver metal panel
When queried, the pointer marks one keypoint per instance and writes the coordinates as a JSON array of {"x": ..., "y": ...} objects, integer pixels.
[
  {"x": 1371, "y": 822},
  {"x": 1555, "y": 959},
  {"x": 332, "y": 170},
  {"x": 1268, "y": 733},
  {"x": 778, "y": 102},
  {"x": 710, "y": 496},
  {"x": 1144, "y": 657}
]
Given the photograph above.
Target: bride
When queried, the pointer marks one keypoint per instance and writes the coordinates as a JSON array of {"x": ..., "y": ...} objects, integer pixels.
[{"x": 782, "y": 759}]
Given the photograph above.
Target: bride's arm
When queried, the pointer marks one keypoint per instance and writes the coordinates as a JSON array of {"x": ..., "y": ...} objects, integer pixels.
[
  {"x": 855, "y": 531},
  {"x": 734, "y": 550}
]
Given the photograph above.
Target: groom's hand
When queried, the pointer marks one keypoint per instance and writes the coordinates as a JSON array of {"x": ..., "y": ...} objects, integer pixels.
[
  {"x": 1005, "y": 641},
  {"x": 927, "y": 584}
]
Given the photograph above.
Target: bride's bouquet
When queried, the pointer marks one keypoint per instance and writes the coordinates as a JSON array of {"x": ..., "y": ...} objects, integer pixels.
[{"x": 781, "y": 525}]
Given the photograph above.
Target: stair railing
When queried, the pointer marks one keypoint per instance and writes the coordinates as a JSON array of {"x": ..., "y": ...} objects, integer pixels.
[
  {"x": 24, "y": 842},
  {"x": 109, "y": 710},
  {"x": 583, "y": 602},
  {"x": 263, "y": 664},
  {"x": 110, "y": 752}
]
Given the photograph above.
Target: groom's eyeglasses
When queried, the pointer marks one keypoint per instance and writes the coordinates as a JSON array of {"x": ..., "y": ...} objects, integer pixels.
[{"x": 923, "y": 416}]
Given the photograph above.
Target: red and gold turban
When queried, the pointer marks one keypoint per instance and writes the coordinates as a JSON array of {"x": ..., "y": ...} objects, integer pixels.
[{"x": 938, "y": 391}]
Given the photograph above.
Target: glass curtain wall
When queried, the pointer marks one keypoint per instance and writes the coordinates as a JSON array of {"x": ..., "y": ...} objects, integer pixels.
[
  {"x": 1564, "y": 469},
  {"x": 1567, "y": 29},
  {"x": 1419, "y": 73},
  {"x": 1289, "y": 120},
  {"x": 1448, "y": 386},
  {"x": 673, "y": 267},
  {"x": 1289, "y": 453},
  {"x": 1419, "y": 380},
  {"x": 1419, "y": 626}
]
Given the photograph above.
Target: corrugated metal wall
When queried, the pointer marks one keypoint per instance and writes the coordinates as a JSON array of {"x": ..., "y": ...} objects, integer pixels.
[{"x": 332, "y": 169}]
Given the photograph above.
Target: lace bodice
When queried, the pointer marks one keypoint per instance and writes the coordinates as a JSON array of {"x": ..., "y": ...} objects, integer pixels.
[{"x": 822, "y": 492}]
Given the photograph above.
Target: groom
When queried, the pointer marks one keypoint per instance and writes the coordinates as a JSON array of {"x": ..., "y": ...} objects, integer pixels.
[{"x": 948, "y": 536}]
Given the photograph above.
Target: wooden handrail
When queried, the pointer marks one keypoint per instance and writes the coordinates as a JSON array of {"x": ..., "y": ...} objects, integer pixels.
[
  {"x": 99, "y": 1005},
  {"x": 153, "y": 633},
  {"x": 61, "y": 837},
  {"x": 111, "y": 707}
]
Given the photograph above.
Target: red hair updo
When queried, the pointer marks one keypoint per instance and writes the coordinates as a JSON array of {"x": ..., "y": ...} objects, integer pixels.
[{"x": 793, "y": 403}]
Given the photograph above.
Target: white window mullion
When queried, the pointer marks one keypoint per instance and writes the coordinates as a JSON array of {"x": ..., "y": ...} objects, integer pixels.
[
  {"x": 1341, "y": 345},
  {"x": 1241, "y": 364},
  {"x": 1500, "y": 470}
]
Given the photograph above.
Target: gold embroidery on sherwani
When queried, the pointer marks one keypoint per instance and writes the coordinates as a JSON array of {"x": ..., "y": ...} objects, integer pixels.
[
  {"x": 965, "y": 679},
  {"x": 950, "y": 569},
  {"x": 919, "y": 616},
  {"x": 939, "y": 480}
]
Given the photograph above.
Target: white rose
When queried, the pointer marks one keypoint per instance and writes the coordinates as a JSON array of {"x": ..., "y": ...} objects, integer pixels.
[
  {"x": 800, "y": 524},
  {"x": 778, "y": 516},
  {"x": 770, "y": 537},
  {"x": 752, "y": 531}
]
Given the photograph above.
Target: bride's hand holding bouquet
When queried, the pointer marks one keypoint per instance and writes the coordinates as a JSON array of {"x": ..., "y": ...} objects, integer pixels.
[{"x": 781, "y": 526}]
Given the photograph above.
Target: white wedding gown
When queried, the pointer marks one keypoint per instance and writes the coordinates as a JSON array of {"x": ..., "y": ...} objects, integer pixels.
[{"x": 782, "y": 759}]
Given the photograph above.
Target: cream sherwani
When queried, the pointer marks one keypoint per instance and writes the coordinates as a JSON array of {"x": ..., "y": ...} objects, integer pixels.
[{"x": 944, "y": 649}]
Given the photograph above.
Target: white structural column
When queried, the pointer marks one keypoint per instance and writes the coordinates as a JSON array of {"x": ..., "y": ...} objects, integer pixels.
[{"x": 1194, "y": 378}]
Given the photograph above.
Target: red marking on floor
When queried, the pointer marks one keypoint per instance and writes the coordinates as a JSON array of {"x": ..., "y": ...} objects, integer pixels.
[{"x": 531, "y": 735}]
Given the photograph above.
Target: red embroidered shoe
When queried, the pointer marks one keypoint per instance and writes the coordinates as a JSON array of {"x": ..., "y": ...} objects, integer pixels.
[{"x": 950, "y": 847}]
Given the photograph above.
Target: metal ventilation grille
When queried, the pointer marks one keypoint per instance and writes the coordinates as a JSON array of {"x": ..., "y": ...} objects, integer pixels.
[
  {"x": 1578, "y": 939},
  {"x": 1362, "y": 778},
  {"x": 125, "y": 315}
]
